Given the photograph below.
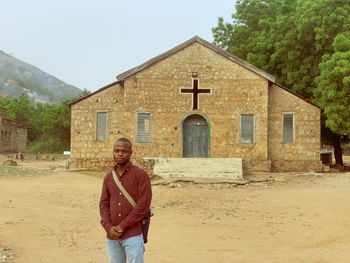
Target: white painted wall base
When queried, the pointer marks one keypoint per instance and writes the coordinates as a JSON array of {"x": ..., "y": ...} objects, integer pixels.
[{"x": 226, "y": 168}]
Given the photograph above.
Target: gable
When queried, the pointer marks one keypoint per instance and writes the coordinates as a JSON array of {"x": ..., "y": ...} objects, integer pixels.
[
  {"x": 118, "y": 84},
  {"x": 189, "y": 42},
  {"x": 293, "y": 98},
  {"x": 196, "y": 59}
]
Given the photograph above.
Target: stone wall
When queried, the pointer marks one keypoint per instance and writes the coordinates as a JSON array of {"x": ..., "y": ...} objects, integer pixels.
[
  {"x": 256, "y": 165},
  {"x": 21, "y": 139},
  {"x": 296, "y": 166},
  {"x": 12, "y": 138},
  {"x": 108, "y": 163},
  {"x": 304, "y": 152},
  {"x": 84, "y": 145}
]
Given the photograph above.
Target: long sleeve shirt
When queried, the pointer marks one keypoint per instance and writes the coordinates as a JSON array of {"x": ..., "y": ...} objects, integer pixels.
[{"x": 116, "y": 210}]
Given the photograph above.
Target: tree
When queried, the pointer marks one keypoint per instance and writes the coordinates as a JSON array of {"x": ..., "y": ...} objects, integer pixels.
[
  {"x": 333, "y": 85},
  {"x": 286, "y": 38},
  {"x": 257, "y": 29},
  {"x": 333, "y": 89},
  {"x": 21, "y": 109}
]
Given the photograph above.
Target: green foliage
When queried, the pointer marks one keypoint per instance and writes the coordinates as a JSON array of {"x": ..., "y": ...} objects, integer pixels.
[
  {"x": 46, "y": 144},
  {"x": 50, "y": 123},
  {"x": 286, "y": 38},
  {"x": 19, "y": 109},
  {"x": 333, "y": 85}
]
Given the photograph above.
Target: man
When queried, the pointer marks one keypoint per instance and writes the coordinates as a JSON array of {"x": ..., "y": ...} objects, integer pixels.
[{"x": 122, "y": 222}]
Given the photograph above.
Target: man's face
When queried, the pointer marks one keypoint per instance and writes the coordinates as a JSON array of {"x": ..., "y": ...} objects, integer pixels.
[{"x": 122, "y": 152}]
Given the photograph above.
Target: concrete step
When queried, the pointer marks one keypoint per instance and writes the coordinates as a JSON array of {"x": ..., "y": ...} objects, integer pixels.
[{"x": 215, "y": 168}]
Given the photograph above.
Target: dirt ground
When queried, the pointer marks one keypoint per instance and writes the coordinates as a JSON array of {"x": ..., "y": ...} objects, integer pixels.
[{"x": 51, "y": 215}]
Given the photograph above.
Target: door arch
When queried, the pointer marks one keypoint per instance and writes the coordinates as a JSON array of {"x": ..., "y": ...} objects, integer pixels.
[{"x": 195, "y": 136}]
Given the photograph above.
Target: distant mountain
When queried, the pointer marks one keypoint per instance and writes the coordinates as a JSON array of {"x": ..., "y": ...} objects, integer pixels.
[{"x": 18, "y": 77}]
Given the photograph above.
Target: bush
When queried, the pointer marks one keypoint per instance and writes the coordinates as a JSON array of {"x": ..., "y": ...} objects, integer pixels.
[{"x": 46, "y": 145}]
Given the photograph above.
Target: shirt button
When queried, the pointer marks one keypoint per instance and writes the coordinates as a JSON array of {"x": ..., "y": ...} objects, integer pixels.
[
  {"x": 119, "y": 204},
  {"x": 120, "y": 193},
  {"x": 120, "y": 215}
]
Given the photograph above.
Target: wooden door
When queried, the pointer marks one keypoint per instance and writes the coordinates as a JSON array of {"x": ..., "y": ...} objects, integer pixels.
[{"x": 195, "y": 136}]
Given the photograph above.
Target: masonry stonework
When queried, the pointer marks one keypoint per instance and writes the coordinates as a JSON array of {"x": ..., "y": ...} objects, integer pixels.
[
  {"x": 303, "y": 154},
  {"x": 236, "y": 89},
  {"x": 13, "y": 135}
]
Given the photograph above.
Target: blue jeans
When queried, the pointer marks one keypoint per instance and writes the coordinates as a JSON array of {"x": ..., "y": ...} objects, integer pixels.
[{"x": 130, "y": 249}]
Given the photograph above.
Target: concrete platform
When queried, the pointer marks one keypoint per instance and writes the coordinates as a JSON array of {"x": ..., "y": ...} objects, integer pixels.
[{"x": 200, "y": 168}]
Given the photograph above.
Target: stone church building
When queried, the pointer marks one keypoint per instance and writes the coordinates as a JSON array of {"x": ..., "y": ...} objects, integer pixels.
[
  {"x": 13, "y": 135},
  {"x": 198, "y": 101}
]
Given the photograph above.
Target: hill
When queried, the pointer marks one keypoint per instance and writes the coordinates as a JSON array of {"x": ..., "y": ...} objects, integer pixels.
[{"x": 17, "y": 77}]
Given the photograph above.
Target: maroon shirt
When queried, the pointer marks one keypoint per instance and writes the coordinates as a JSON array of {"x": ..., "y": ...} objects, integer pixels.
[{"x": 116, "y": 210}]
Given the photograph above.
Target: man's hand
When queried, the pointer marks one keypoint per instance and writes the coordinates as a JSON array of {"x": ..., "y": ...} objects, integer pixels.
[{"x": 116, "y": 232}]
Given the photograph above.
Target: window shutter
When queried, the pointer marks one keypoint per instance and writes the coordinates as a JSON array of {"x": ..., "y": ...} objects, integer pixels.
[
  {"x": 143, "y": 127},
  {"x": 247, "y": 128},
  {"x": 288, "y": 128},
  {"x": 101, "y": 131}
]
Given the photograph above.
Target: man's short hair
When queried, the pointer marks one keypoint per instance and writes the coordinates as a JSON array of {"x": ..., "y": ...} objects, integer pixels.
[{"x": 124, "y": 140}]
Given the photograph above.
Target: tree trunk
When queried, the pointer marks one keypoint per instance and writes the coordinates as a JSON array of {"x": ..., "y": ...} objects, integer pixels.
[{"x": 337, "y": 149}]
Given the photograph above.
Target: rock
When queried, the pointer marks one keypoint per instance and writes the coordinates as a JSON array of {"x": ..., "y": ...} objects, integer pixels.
[
  {"x": 259, "y": 177},
  {"x": 325, "y": 168},
  {"x": 280, "y": 179},
  {"x": 10, "y": 162}
]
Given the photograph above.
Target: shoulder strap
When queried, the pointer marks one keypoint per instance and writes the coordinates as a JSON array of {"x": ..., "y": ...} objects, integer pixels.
[{"x": 122, "y": 189}]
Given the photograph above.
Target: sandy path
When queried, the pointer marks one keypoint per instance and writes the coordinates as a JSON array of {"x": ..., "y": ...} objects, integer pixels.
[{"x": 302, "y": 218}]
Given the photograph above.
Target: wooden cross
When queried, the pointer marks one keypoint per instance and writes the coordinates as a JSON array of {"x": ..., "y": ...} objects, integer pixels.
[{"x": 195, "y": 91}]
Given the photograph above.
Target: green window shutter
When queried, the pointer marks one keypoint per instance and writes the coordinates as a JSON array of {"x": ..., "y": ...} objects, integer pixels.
[
  {"x": 143, "y": 127},
  {"x": 288, "y": 128},
  {"x": 101, "y": 129},
  {"x": 247, "y": 128}
]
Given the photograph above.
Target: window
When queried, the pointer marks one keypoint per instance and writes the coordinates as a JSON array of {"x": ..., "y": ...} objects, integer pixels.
[
  {"x": 288, "y": 128},
  {"x": 101, "y": 126},
  {"x": 247, "y": 128},
  {"x": 143, "y": 127}
]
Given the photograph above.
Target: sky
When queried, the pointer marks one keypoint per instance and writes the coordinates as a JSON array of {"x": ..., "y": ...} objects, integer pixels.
[{"x": 87, "y": 43}]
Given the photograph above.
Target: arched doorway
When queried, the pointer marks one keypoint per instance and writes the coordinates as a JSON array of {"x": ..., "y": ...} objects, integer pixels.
[{"x": 195, "y": 136}]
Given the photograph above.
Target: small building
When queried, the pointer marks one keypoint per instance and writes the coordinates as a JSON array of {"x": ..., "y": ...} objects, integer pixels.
[
  {"x": 13, "y": 135},
  {"x": 198, "y": 101}
]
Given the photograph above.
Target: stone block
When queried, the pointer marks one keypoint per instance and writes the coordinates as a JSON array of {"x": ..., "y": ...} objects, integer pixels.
[{"x": 230, "y": 168}]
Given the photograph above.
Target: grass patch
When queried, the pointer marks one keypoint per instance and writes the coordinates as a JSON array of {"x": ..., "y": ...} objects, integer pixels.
[
  {"x": 32, "y": 156},
  {"x": 21, "y": 171}
]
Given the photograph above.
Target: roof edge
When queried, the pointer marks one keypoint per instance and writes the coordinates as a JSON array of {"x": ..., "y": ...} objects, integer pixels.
[
  {"x": 296, "y": 94},
  {"x": 93, "y": 93},
  {"x": 18, "y": 124},
  {"x": 185, "y": 44}
]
